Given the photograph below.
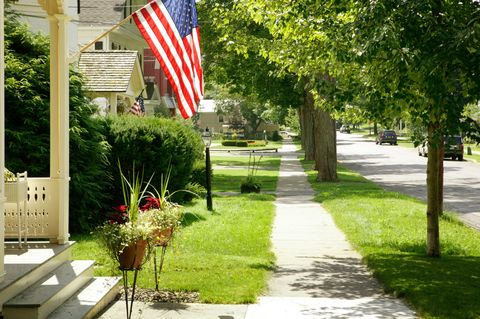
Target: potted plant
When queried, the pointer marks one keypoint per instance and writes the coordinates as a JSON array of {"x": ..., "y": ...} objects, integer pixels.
[
  {"x": 251, "y": 184},
  {"x": 126, "y": 234},
  {"x": 165, "y": 216}
]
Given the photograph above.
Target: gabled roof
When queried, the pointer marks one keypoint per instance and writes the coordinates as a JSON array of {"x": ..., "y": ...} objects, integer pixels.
[
  {"x": 101, "y": 11},
  {"x": 107, "y": 71}
]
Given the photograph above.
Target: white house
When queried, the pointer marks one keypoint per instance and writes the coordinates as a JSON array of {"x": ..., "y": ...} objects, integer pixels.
[{"x": 40, "y": 280}]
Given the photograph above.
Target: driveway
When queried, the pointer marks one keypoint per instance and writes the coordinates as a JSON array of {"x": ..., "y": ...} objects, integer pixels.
[{"x": 401, "y": 169}]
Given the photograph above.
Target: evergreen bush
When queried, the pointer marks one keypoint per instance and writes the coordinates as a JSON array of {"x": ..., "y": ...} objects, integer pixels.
[
  {"x": 229, "y": 143},
  {"x": 242, "y": 143},
  {"x": 199, "y": 173},
  {"x": 276, "y": 136},
  {"x": 239, "y": 143},
  {"x": 90, "y": 178},
  {"x": 152, "y": 144}
]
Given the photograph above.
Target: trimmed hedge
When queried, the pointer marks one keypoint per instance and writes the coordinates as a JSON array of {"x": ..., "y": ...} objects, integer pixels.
[
  {"x": 151, "y": 144},
  {"x": 235, "y": 143}
]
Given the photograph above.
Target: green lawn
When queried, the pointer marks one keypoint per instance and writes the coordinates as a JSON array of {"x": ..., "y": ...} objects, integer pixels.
[
  {"x": 230, "y": 171},
  {"x": 225, "y": 255},
  {"x": 389, "y": 230}
]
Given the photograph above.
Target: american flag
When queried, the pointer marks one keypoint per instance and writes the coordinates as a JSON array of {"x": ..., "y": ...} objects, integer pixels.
[
  {"x": 172, "y": 32},
  {"x": 141, "y": 103},
  {"x": 136, "y": 108}
]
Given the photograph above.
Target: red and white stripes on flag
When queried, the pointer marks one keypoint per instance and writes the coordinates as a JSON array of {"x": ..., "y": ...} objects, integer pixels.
[
  {"x": 136, "y": 109},
  {"x": 172, "y": 32}
]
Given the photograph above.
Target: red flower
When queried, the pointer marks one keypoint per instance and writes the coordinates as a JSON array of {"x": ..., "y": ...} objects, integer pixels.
[
  {"x": 118, "y": 218},
  {"x": 152, "y": 202},
  {"x": 120, "y": 208}
]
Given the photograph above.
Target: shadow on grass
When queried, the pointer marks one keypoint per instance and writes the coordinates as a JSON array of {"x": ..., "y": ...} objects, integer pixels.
[
  {"x": 268, "y": 267},
  {"x": 349, "y": 184},
  {"x": 190, "y": 218},
  {"x": 447, "y": 287}
]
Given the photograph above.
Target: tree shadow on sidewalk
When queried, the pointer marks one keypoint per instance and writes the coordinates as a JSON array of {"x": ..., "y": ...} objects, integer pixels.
[{"x": 330, "y": 277}]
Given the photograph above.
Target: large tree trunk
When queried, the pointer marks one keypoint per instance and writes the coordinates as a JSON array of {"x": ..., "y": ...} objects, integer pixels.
[
  {"x": 434, "y": 190},
  {"x": 325, "y": 147},
  {"x": 300, "y": 121},
  {"x": 307, "y": 120}
]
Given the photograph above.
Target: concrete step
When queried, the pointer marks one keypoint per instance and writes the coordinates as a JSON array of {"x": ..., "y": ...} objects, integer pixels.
[
  {"x": 26, "y": 266},
  {"x": 43, "y": 297},
  {"x": 90, "y": 300}
]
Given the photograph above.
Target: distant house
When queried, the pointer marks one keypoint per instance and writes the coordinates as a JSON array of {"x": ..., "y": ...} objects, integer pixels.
[
  {"x": 115, "y": 76},
  {"x": 91, "y": 18},
  {"x": 155, "y": 78},
  {"x": 209, "y": 116},
  {"x": 95, "y": 18}
]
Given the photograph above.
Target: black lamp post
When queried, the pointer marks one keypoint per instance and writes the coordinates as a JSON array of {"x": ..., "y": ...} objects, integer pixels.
[{"x": 207, "y": 141}]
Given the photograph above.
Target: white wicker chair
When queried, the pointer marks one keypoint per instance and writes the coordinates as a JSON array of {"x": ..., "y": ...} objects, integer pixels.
[{"x": 17, "y": 192}]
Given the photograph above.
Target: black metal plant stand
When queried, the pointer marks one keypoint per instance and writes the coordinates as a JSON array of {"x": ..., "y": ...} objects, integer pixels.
[
  {"x": 162, "y": 257},
  {"x": 125, "y": 287}
]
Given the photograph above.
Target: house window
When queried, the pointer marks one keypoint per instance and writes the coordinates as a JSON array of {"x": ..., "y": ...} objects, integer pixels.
[
  {"x": 99, "y": 45},
  {"x": 114, "y": 46},
  {"x": 220, "y": 118}
]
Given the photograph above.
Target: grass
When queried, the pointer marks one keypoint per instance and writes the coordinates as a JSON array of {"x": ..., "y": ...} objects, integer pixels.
[
  {"x": 225, "y": 255},
  {"x": 230, "y": 171},
  {"x": 389, "y": 230}
]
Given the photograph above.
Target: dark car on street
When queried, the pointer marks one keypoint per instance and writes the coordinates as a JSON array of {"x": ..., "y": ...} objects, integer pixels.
[
  {"x": 387, "y": 136},
  {"x": 453, "y": 148},
  {"x": 345, "y": 129}
]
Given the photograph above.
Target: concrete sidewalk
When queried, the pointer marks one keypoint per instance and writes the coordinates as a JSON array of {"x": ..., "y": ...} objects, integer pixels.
[{"x": 318, "y": 274}]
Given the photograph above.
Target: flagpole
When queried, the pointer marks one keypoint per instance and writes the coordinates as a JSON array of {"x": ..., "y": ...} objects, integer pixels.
[{"x": 75, "y": 56}]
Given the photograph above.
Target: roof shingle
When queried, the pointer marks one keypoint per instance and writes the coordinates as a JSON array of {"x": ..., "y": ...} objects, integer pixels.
[
  {"x": 107, "y": 71},
  {"x": 102, "y": 11}
]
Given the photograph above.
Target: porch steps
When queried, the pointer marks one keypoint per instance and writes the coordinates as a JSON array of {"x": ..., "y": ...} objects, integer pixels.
[
  {"x": 39, "y": 300},
  {"x": 24, "y": 267},
  {"x": 93, "y": 298},
  {"x": 55, "y": 286}
]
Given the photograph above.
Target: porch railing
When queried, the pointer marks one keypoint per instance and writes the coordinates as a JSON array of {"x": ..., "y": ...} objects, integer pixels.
[{"x": 42, "y": 211}]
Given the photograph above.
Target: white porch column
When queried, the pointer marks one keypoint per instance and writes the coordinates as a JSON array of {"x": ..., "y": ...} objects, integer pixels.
[
  {"x": 2, "y": 144},
  {"x": 59, "y": 118}
]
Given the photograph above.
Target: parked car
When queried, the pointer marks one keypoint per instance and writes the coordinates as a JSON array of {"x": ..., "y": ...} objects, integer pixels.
[
  {"x": 453, "y": 148},
  {"x": 387, "y": 136},
  {"x": 345, "y": 129}
]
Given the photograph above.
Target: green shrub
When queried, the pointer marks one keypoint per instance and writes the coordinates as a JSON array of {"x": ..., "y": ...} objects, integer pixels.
[
  {"x": 276, "y": 136},
  {"x": 199, "y": 173},
  {"x": 90, "y": 178},
  {"x": 229, "y": 143},
  {"x": 152, "y": 145},
  {"x": 242, "y": 143},
  {"x": 195, "y": 188}
]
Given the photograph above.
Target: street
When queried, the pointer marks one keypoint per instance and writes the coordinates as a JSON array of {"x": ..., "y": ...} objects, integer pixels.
[{"x": 401, "y": 169}]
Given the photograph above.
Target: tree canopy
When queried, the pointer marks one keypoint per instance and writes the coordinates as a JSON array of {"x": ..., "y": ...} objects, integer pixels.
[{"x": 388, "y": 59}]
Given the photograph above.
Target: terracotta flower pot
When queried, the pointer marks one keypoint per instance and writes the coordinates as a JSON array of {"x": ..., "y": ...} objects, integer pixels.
[
  {"x": 132, "y": 256},
  {"x": 161, "y": 237}
]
